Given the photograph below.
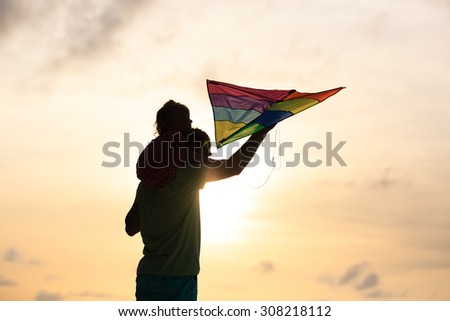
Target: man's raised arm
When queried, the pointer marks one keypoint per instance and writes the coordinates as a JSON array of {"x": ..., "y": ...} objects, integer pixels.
[{"x": 234, "y": 165}]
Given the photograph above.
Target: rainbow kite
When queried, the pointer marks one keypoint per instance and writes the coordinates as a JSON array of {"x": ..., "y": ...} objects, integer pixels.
[{"x": 242, "y": 111}]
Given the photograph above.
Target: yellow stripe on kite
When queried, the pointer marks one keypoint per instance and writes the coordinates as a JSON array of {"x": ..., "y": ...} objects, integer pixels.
[{"x": 225, "y": 128}]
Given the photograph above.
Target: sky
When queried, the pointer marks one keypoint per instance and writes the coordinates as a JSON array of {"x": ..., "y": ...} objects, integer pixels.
[{"x": 82, "y": 80}]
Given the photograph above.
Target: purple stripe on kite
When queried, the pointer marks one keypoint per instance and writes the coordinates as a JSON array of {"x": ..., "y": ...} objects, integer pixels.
[
  {"x": 271, "y": 117},
  {"x": 219, "y": 100}
]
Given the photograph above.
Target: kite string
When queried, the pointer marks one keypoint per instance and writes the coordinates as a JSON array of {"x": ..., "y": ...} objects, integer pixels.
[
  {"x": 275, "y": 165},
  {"x": 277, "y": 145}
]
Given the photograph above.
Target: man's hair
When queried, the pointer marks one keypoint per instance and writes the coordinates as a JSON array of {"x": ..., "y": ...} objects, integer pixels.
[{"x": 166, "y": 115}]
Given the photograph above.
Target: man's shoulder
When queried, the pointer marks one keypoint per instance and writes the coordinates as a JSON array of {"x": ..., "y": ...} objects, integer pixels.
[
  {"x": 191, "y": 172},
  {"x": 193, "y": 176}
]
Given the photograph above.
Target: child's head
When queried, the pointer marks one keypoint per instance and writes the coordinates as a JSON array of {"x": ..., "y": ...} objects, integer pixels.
[
  {"x": 198, "y": 141},
  {"x": 172, "y": 116}
]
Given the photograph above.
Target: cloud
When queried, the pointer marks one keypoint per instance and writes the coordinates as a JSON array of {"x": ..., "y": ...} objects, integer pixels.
[
  {"x": 266, "y": 266},
  {"x": 6, "y": 282},
  {"x": 12, "y": 255},
  {"x": 389, "y": 179},
  {"x": 59, "y": 31},
  {"x": 352, "y": 273},
  {"x": 438, "y": 4},
  {"x": 361, "y": 279},
  {"x": 91, "y": 24},
  {"x": 51, "y": 277},
  {"x": 357, "y": 274},
  {"x": 386, "y": 180},
  {"x": 47, "y": 296},
  {"x": 10, "y": 11},
  {"x": 378, "y": 294},
  {"x": 33, "y": 262},
  {"x": 44, "y": 295},
  {"x": 91, "y": 294},
  {"x": 327, "y": 279},
  {"x": 370, "y": 281}
]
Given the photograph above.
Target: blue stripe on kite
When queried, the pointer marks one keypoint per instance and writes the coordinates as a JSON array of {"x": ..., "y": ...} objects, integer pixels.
[
  {"x": 234, "y": 115},
  {"x": 240, "y": 102},
  {"x": 271, "y": 117}
]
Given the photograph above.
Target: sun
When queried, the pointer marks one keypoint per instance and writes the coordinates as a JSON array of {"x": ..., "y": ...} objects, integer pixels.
[{"x": 225, "y": 208}]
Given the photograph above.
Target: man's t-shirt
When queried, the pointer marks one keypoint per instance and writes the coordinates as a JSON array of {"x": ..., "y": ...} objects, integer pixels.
[{"x": 170, "y": 225}]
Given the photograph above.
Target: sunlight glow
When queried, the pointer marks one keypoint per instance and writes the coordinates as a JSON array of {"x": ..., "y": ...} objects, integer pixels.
[{"x": 225, "y": 207}]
